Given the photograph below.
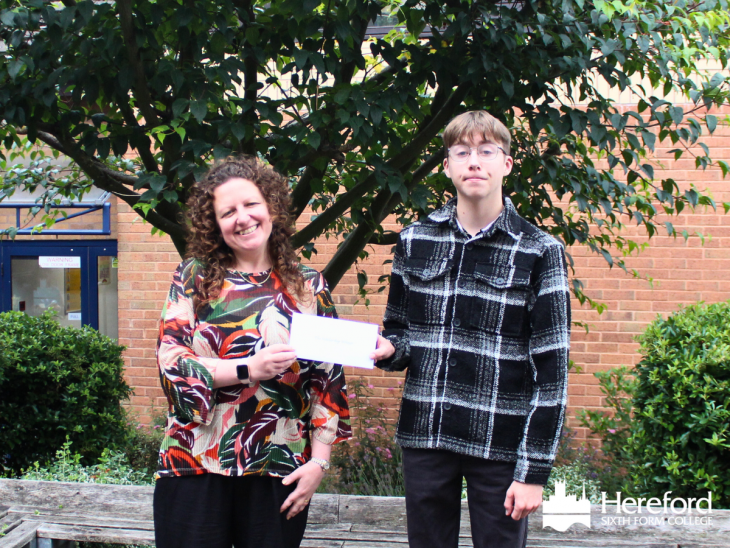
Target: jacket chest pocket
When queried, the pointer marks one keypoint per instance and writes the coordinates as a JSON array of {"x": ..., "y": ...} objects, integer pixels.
[
  {"x": 503, "y": 298},
  {"x": 428, "y": 280}
]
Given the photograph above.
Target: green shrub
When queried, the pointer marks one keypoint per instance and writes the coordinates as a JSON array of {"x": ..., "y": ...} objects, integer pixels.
[
  {"x": 55, "y": 383},
  {"x": 609, "y": 464},
  {"x": 680, "y": 432},
  {"x": 143, "y": 444},
  {"x": 112, "y": 467},
  {"x": 576, "y": 476},
  {"x": 372, "y": 464}
]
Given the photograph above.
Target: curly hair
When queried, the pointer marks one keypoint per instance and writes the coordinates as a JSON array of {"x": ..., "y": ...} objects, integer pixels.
[{"x": 205, "y": 241}]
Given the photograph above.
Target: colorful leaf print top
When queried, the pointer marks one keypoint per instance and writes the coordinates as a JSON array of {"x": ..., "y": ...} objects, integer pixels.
[{"x": 262, "y": 428}]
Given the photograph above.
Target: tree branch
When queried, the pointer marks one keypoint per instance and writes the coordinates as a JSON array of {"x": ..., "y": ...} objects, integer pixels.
[
  {"x": 383, "y": 204},
  {"x": 407, "y": 155},
  {"x": 378, "y": 80},
  {"x": 144, "y": 99},
  {"x": 303, "y": 192},
  {"x": 54, "y": 143},
  {"x": 114, "y": 182},
  {"x": 145, "y": 154},
  {"x": 348, "y": 69},
  {"x": 387, "y": 73},
  {"x": 327, "y": 151},
  {"x": 386, "y": 238},
  {"x": 423, "y": 171},
  {"x": 250, "y": 79},
  {"x": 42, "y": 135}
]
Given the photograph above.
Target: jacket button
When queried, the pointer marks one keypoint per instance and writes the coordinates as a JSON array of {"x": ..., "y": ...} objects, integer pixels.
[
  {"x": 500, "y": 281},
  {"x": 457, "y": 322},
  {"x": 447, "y": 406},
  {"x": 452, "y": 361},
  {"x": 469, "y": 247}
]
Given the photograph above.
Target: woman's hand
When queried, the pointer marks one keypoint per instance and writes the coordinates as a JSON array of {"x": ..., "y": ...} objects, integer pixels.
[
  {"x": 308, "y": 477},
  {"x": 270, "y": 361},
  {"x": 384, "y": 350}
]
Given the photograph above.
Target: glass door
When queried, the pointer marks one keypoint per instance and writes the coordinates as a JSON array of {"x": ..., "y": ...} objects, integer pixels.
[
  {"x": 77, "y": 280},
  {"x": 47, "y": 282}
]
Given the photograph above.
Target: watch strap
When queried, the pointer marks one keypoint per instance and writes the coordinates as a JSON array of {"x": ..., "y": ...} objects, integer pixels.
[{"x": 323, "y": 464}]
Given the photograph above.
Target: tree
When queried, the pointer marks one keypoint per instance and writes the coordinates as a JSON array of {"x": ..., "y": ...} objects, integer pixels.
[{"x": 178, "y": 83}]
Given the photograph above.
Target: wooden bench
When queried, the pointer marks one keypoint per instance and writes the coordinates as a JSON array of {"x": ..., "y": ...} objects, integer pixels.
[{"x": 41, "y": 514}]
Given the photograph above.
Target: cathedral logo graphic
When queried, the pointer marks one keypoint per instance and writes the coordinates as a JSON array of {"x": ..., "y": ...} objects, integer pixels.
[{"x": 561, "y": 511}]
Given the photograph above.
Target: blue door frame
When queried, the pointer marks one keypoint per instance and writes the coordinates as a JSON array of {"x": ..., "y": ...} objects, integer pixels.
[{"x": 88, "y": 250}]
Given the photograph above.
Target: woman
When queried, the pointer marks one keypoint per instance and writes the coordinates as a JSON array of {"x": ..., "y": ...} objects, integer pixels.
[{"x": 244, "y": 413}]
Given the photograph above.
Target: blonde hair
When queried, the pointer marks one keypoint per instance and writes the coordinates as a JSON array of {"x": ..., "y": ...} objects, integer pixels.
[{"x": 473, "y": 124}]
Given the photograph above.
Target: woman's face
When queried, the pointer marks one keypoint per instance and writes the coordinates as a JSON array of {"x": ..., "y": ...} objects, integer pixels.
[{"x": 244, "y": 221}]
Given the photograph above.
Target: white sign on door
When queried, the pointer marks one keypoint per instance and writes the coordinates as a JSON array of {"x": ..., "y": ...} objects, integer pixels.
[{"x": 59, "y": 262}]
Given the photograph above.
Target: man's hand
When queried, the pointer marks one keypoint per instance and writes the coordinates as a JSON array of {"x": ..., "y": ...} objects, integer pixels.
[
  {"x": 522, "y": 499},
  {"x": 384, "y": 350}
]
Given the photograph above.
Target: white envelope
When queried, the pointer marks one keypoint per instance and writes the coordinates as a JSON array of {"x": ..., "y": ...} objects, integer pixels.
[{"x": 328, "y": 340}]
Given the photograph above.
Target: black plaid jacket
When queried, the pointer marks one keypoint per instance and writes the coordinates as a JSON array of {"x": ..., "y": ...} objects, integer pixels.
[{"x": 483, "y": 325}]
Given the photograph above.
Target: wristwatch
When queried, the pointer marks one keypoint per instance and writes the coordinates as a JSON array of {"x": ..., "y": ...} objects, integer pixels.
[
  {"x": 323, "y": 464},
  {"x": 242, "y": 373}
]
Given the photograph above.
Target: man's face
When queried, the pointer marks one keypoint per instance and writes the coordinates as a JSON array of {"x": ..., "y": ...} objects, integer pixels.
[{"x": 478, "y": 176}]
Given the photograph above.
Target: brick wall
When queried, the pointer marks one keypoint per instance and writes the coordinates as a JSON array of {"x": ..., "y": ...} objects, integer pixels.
[
  {"x": 683, "y": 272},
  {"x": 146, "y": 263},
  {"x": 674, "y": 272}
]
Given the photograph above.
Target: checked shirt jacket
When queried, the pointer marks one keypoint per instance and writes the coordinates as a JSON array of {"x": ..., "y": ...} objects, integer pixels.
[{"x": 483, "y": 325}]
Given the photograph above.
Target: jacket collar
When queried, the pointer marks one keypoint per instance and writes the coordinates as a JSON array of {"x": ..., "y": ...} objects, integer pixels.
[{"x": 508, "y": 220}]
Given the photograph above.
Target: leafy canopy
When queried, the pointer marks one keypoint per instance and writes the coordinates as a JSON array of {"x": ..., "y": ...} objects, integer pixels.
[{"x": 348, "y": 98}]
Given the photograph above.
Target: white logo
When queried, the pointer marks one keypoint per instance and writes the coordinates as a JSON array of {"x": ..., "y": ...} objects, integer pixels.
[{"x": 561, "y": 511}]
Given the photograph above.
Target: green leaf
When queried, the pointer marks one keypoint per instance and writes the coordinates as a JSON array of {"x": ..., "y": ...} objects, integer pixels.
[
  {"x": 362, "y": 279},
  {"x": 252, "y": 36},
  {"x": 716, "y": 80},
  {"x": 509, "y": 87},
  {"x": 179, "y": 106},
  {"x": 239, "y": 131},
  {"x": 301, "y": 58},
  {"x": 220, "y": 152},
  {"x": 724, "y": 167},
  {"x": 649, "y": 139},
  {"x": 199, "y": 109},
  {"x": 342, "y": 96},
  {"x": 314, "y": 139},
  {"x": 607, "y": 256},
  {"x": 14, "y": 67},
  {"x": 8, "y": 18}
]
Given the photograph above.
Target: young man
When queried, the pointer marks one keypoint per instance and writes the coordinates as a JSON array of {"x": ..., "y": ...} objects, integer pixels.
[{"x": 479, "y": 313}]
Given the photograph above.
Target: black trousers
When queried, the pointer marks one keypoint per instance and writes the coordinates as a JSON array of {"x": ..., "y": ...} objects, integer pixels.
[
  {"x": 433, "y": 479},
  {"x": 214, "y": 511}
]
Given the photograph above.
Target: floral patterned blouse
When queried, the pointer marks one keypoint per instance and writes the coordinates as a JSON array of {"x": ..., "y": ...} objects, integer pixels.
[{"x": 262, "y": 428}]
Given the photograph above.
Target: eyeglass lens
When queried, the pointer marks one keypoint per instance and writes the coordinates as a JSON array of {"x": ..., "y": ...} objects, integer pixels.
[{"x": 485, "y": 152}]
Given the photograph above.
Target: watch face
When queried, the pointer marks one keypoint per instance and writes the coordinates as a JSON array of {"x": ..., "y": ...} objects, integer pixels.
[{"x": 242, "y": 372}]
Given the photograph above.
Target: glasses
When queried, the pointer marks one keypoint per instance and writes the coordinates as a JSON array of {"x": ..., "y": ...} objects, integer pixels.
[{"x": 486, "y": 152}]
